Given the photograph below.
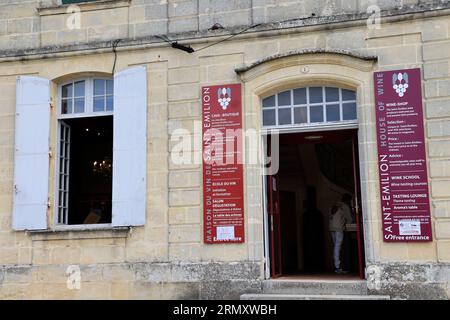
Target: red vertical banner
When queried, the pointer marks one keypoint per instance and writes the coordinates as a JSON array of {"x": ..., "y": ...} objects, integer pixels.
[
  {"x": 402, "y": 165},
  {"x": 223, "y": 194}
]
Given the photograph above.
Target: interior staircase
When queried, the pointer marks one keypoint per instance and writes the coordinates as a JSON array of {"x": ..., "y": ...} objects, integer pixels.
[{"x": 294, "y": 289}]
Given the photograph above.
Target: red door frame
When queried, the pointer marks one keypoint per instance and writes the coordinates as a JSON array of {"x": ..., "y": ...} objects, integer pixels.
[
  {"x": 274, "y": 198},
  {"x": 358, "y": 211}
]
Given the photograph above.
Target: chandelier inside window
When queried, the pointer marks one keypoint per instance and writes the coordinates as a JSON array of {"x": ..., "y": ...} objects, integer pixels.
[{"x": 102, "y": 167}]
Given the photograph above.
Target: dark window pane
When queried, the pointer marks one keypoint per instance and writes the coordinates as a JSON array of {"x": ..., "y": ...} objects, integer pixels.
[
  {"x": 109, "y": 103},
  {"x": 67, "y": 91},
  {"x": 349, "y": 111},
  {"x": 333, "y": 112},
  {"x": 268, "y": 117},
  {"x": 109, "y": 87},
  {"x": 348, "y": 95},
  {"x": 315, "y": 95},
  {"x": 316, "y": 114},
  {"x": 332, "y": 94},
  {"x": 99, "y": 87},
  {"x": 284, "y": 98},
  {"x": 284, "y": 116},
  {"x": 79, "y": 89},
  {"x": 269, "y": 102},
  {"x": 66, "y": 166},
  {"x": 66, "y": 106},
  {"x": 79, "y": 105},
  {"x": 99, "y": 104},
  {"x": 300, "y": 115},
  {"x": 300, "y": 96},
  {"x": 66, "y": 149}
]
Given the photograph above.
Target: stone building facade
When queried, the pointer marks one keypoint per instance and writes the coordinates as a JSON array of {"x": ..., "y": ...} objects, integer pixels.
[{"x": 277, "y": 45}]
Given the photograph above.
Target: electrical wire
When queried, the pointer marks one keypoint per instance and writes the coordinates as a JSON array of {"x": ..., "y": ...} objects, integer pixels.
[
  {"x": 164, "y": 38},
  {"x": 228, "y": 38},
  {"x": 115, "y": 43},
  {"x": 174, "y": 44}
]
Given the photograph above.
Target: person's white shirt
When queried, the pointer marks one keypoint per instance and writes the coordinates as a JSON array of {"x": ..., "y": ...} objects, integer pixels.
[{"x": 340, "y": 218}]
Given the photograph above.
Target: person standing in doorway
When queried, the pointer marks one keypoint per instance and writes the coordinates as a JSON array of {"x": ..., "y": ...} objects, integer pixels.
[
  {"x": 347, "y": 201},
  {"x": 340, "y": 215}
]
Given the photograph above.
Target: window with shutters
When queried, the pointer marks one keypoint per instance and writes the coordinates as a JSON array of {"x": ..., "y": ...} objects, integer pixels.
[
  {"x": 100, "y": 158},
  {"x": 85, "y": 152}
]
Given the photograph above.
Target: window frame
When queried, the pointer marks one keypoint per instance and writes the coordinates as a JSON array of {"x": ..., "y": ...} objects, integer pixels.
[
  {"x": 88, "y": 102},
  {"x": 63, "y": 2},
  {"x": 58, "y": 205},
  {"x": 309, "y": 125},
  {"x": 89, "y": 113}
]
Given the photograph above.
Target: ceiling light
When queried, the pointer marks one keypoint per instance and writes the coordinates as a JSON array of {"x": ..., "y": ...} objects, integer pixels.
[{"x": 313, "y": 137}]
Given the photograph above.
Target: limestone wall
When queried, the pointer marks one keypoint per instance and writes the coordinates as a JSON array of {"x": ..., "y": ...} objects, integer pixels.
[
  {"x": 41, "y": 23},
  {"x": 34, "y": 264}
]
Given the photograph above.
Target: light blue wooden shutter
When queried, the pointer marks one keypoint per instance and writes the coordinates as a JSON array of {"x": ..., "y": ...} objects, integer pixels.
[
  {"x": 31, "y": 153},
  {"x": 130, "y": 147}
]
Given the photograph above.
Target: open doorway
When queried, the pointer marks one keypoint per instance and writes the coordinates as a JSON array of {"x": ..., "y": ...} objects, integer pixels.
[
  {"x": 85, "y": 170},
  {"x": 317, "y": 170}
]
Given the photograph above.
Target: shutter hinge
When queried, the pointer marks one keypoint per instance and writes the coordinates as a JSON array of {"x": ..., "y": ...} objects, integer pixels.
[
  {"x": 49, "y": 205},
  {"x": 52, "y": 105},
  {"x": 16, "y": 190},
  {"x": 50, "y": 154}
]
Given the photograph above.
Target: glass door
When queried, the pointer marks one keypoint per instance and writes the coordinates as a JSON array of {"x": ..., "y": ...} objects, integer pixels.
[{"x": 274, "y": 222}]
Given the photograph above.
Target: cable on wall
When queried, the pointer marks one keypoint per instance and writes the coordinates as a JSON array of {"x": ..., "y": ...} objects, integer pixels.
[
  {"x": 114, "y": 46},
  {"x": 229, "y": 37},
  {"x": 189, "y": 49}
]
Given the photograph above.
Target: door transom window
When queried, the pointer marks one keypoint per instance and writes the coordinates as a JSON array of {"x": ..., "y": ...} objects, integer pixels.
[
  {"x": 309, "y": 106},
  {"x": 86, "y": 97}
]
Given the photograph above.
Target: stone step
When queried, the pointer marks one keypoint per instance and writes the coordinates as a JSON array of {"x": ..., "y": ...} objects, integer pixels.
[
  {"x": 315, "y": 287},
  {"x": 263, "y": 296}
]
